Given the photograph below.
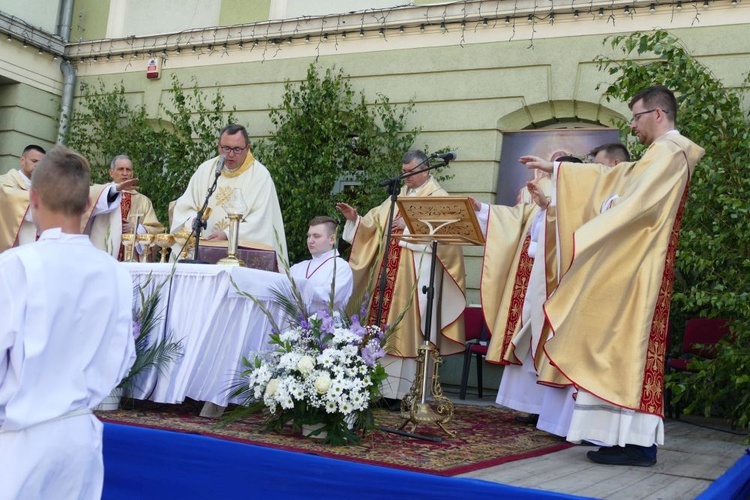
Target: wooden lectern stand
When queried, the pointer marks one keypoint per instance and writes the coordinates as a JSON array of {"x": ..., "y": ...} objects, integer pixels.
[{"x": 446, "y": 220}]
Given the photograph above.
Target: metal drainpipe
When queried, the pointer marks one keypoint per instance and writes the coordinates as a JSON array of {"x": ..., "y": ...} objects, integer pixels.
[{"x": 69, "y": 74}]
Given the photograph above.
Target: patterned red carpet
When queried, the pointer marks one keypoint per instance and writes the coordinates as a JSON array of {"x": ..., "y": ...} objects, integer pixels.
[{"x": 485, "y": 436}]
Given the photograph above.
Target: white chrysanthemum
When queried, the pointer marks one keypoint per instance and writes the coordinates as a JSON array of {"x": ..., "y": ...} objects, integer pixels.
[
  {"x": 289, "y": 360},
  {"x": 292, "y": 335},
  {"x": 346, "y": 407},
  {"x": 283, "y": 394},
  {"x": 325, "y": 360},
  {"x": 345, "y": 337}
]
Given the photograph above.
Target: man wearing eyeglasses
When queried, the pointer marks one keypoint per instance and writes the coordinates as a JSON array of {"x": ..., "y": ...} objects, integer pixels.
[
  {"x": 616, "y": 230},
  {"x": 262, "y": 222}
]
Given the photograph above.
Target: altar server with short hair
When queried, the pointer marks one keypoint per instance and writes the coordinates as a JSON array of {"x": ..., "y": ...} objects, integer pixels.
[{"x": 63, "y": 348}]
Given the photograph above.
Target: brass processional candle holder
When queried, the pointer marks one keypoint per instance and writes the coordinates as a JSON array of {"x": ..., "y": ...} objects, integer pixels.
[
  {"x": 235, "y": 209},
  {"x": 164, "y": 241}
]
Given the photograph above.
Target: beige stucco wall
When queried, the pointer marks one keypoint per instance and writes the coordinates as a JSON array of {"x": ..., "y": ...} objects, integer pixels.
[
  {"x": 30, "y": 87},
  {"x": 465, "y": 95},
  {"x": 38, "y": 14}
]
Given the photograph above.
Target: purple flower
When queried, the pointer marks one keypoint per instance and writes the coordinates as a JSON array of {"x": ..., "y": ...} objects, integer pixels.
[
  {"x": 363, "y": 307},
  {"x": 328, "y": 325},
  {"x": 136, "y": 329},
  {"x": 372, "y": 352},
  {"x": 357, "y": 329}
]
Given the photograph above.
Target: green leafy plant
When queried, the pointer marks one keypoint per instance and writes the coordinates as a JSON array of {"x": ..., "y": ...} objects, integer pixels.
[
  {"x": 165, "y": 152},
  {"x": 713, "y": 264},
  {"x": 149, "y": 354},
  {"x": 325, "y": 133}
]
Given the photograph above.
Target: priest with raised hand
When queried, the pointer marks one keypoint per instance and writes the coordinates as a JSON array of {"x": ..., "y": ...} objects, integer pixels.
[
  {"x": 16, "y": 224},
  {"x": 262, "y": 222},
  {"x": 133, "y": 203},
  {"x": 617, "y": 230},
  {"x": 58, "y": 358},
  {"x": 408, "y": 270}
]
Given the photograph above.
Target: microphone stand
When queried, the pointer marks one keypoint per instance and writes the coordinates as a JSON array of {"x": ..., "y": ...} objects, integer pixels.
[{"x": 199, "y": 224}]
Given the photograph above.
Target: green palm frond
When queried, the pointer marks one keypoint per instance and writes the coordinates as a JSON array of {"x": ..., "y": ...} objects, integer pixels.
[{"x": 159, "y": 354}]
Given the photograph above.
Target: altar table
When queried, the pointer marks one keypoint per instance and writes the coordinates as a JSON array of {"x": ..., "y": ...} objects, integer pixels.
[{"x": 215, "y": 323}]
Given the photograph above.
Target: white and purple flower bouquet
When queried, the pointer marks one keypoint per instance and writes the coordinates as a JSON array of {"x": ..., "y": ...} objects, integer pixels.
[{"x": 321, "y": 373}]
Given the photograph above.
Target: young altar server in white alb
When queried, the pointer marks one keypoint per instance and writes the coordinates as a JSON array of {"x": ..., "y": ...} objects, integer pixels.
[
  {"x": 62, "y": 347},
  {"x": 325, "y": 263}
]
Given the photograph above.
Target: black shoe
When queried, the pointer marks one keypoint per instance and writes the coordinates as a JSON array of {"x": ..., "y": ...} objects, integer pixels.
[
  {"x": 530, "y": 419},
  {"x": 637, "y": 456}
]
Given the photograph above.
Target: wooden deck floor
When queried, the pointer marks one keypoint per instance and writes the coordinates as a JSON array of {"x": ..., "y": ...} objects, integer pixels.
[{"x": 696, "y": 452}]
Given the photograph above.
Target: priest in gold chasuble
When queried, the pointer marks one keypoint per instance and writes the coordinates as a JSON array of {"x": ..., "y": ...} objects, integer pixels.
[
  {"x": 617, "y": 230},
  {"x": 506, "y": 269},
  {"x": 408, "y": 269}
]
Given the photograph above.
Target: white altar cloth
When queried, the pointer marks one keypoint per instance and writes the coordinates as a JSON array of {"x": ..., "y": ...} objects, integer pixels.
[{"x": 217, "y": 327}]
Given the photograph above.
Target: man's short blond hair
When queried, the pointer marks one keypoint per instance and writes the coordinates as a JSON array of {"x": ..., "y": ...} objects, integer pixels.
[
  {"x": 61, "y": 179},
  {"x": 329, "y": 222}
]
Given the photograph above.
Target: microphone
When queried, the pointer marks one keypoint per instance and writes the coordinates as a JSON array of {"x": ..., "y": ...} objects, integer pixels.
[
  {"x": 220, "y": 164},
  {"x": 446, "y": 157}
]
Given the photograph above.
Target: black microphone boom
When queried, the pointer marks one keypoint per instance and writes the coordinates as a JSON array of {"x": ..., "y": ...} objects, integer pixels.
[{"x": 446, "y": 157}]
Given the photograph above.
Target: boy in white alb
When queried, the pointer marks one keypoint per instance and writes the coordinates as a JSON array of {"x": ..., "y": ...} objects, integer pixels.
[
  {"x": 65, "y": 342},
  {"x": 324, "y": 265}
]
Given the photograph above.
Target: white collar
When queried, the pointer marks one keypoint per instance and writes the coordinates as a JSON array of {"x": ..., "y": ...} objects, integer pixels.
[
  {"x": 325, "y": 255},
  {"x": 56, "y": 233},
  {"x": 26, "y": 180}
]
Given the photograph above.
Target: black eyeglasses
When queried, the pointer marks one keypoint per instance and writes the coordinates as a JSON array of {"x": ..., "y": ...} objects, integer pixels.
[
  {"x": 636, "y": 116},
  {"x": 227, "y": 149}
]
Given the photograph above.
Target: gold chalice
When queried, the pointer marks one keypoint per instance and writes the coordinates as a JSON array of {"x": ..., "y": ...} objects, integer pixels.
[
  {"x": 127, "y": 243},
  {"x": 164, "y": 241},
  {"x": 147, "y": 240},
  {"x": 181, "y": 238}
]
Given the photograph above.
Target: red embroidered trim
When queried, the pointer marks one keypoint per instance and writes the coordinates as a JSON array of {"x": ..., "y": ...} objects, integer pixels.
[
  {"x": 520, "y": 284},
  {"x": 394, "y": 256},
  {"x": 652, "y": 391},
  {"x": 125, "y": 204}
]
